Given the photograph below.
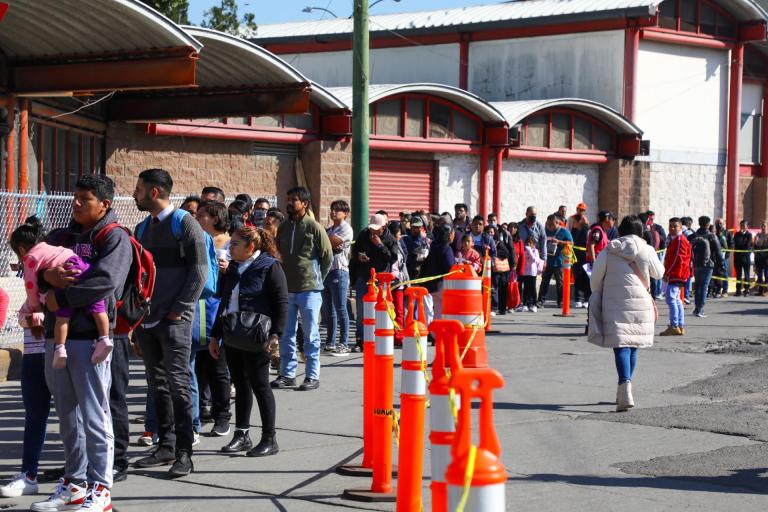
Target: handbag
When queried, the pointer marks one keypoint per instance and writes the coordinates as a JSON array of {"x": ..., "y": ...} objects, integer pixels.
[
  {"x": 247, "y": 330},
  {"x": 500, "y": 265},
  {"x": 513, "y": 294}
]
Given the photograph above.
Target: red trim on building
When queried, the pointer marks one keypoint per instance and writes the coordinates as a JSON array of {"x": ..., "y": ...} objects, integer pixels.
[
  {"x": 222, "y": 132},
  {"x": 482, "y": 184},
  {"x": 497, "y": 171},
  {"x": 734, "y": 125},
  {"x": 631, "y": 48},
  {"x": 557, "y": 156},
  {"x": 428, "y": 147},
  {"x": 749, "y": 170},
  {"x": 661, "y": 35}
]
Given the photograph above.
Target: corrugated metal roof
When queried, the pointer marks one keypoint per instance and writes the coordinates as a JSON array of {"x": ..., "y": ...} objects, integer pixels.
[
  {"x": 325, "y": 99},
  {"x": 52, "y": 28},
  {"x": 507, "y": 12},
  {"x": 515, "y": 111},
  {"x": 471, "y": 102},
  {"x": 228, "y": 61}
]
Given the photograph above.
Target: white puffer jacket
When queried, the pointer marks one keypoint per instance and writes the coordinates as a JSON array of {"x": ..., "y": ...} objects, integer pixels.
[{"x": 621, "y": 310}]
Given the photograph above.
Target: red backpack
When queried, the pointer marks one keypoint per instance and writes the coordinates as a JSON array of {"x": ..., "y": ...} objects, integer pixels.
[{"x": 133, "y": 305}]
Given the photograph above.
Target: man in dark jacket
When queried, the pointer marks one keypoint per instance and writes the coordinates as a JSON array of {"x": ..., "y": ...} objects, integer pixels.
[
  {"x": 374, "y": 247},
  {"x": 706, "y": 255},
  {"x": 438, "y": 262},
  {"x": 416, "y": 245},
  {"x": 81, "y": 390},
  {"x": 742, "y": 241}
]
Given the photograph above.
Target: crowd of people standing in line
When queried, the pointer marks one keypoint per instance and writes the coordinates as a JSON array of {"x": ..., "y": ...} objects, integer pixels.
[{"x": 274, "y": 273}]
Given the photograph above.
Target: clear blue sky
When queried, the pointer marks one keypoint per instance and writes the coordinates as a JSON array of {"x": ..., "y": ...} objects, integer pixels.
[{"x": 271, "y": 11}]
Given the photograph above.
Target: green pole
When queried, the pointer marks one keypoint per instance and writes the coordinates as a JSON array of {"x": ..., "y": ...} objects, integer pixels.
[{"x": 360, "y": 120}]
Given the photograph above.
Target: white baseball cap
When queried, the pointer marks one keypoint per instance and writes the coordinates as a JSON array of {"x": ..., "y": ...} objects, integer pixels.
[{"x": 377, "y": 221}]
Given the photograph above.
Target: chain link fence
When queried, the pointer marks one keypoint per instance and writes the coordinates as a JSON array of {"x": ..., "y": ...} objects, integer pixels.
[{"x": 55, "y": 211}]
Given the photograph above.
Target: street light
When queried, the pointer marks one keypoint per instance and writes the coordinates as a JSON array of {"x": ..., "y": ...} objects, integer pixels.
[
  {"x": 377, "y": 2},
  {"x": 310, "y": 9}
]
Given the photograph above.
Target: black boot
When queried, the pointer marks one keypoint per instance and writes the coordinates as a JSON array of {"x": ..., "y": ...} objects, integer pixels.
[
  {"x": 267, "y": 446},
  {"x": 241, "y": 442}
]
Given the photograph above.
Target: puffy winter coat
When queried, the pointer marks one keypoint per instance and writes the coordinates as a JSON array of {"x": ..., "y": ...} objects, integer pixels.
[{"x": 621, "y": 311}]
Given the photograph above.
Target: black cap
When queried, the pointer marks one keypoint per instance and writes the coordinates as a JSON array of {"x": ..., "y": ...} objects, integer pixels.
[{"x": 605, "y": 214}]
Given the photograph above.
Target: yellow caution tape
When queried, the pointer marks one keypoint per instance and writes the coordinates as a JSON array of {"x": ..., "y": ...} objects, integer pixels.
[
  {"x": 422, "y": 356},
  {"x": 734, "y": 280},
  {"x": 427, "y": 279},
  {"x": 469, "y": 472},
  {"x": 475, "y": 328},
  {"x": 396, "y": 427}
]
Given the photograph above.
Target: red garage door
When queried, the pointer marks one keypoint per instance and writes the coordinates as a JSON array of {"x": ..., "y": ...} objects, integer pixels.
[{"x": 401, "y": 185}]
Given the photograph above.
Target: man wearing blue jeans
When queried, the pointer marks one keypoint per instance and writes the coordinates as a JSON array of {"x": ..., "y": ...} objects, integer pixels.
[
  {"x": 337, "y": 283},
  {"x": 307, "y": 257},
  {"x": 707, "y": 255}
]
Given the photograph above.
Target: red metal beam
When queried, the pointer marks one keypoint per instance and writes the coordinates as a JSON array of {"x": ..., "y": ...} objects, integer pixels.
[
  {"x": 208, "y": 132},
  {"x": 497, "y": 171},
  {"x": 631, "y": 48},
  {"x": 10, "y": 146},
  {"x": 627, "y": 146},
  {"x": 665, "y": 36},
  {"x": 557, "y": 156},
  {"x": 424, "y": 147},
  {"x": 83, "y": 77},
  {"x": 336, "y": 124},
  {"x": 3, "y": 10},
  {"x": 24, "y": 145},
  {"x": 752, "y": 31},
  {"x": 464, "y": 61},
  {"x": 734, "y": 125},
  {"x": 293, "y": 100},
  {"x": 483, "y": 182}
]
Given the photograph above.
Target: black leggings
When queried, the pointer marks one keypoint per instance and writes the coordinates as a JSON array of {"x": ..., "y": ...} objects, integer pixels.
[{"x": 250, "y": 375}]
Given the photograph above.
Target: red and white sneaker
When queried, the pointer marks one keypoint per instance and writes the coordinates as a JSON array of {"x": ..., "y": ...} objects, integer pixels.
[
  {"x": 97, "y": 499},
  {"x": 66, "y": 496}
]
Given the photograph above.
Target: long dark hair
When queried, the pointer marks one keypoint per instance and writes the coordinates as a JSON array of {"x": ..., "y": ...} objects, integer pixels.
[{"x": 27, "y": 235}]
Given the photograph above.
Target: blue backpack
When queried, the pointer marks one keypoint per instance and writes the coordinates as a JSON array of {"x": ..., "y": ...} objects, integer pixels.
[{"x": 211, "y": 284}]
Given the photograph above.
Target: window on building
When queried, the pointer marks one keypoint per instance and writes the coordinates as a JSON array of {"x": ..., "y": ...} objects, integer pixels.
[
  {"x": 749, "y": 138},
  {"x": 388, "y": 117},
  {"x": 424, "y": 117},
  {"x": 697, "y": 16},
  {"x": 754, "y": 63},
  {"x": 65, "y": 155},
  {"x": 439, "y": 121},
  {"x": 569, "y": 131},
  {"x": 414, "y": 126},
  {"x": 464, "y": 127}
]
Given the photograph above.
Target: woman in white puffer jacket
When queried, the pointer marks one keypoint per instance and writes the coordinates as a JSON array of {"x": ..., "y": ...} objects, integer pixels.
[{"x": 622, "y": 313}]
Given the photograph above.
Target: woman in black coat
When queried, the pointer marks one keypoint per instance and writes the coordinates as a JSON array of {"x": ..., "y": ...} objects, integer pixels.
[{"x": 254, "y": 282}]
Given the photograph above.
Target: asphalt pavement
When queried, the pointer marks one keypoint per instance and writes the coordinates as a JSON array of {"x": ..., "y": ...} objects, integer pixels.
[{"x": 696, "y": 439}]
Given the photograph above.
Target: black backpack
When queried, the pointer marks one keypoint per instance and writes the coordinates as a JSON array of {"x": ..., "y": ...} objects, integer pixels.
[{"x": 702, "y": 252}]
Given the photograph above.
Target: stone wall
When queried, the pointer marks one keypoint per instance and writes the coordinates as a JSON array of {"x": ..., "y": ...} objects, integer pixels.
[
  {"x": 327, "y": 167},
  {"x": 196, "y": 162},
  {"x": 624, "y": 188},
  {"x": 685, "y": 189}
]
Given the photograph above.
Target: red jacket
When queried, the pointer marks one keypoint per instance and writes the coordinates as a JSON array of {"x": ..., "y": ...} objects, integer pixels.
[{"x": 677, "y": 260}]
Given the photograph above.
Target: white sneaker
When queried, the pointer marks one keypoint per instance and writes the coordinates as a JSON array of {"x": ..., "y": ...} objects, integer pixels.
[
  {"x": 493, "y": 313},
  {"x": 521, "y": 309},
  {"x": 534, "y": 309},
  {"x": 196, "y": 438},
  {"x": 624, "y": 399},
  {"x": 577, "y": 305},
  {"x": 20, "y": 485},
  {"x": 147, "y": 439},
  {"x": 66, "y": 496},
  {"x": 97, "y": 499},
  {"x": 584, "y": 305}
]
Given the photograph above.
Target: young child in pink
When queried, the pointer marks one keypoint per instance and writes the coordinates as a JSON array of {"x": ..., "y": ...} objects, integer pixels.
[
  {"x": 36, "y": 255},
  {"x": 532, "y": 269}
]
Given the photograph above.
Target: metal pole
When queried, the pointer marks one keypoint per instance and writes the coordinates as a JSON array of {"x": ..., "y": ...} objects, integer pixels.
[{"x": 360, "y": 128}]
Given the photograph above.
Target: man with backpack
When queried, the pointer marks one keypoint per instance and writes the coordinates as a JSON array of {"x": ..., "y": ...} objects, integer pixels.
[
  {"x": 81, "y": 389},
  {"x": 178, "y": 244},
  {"x": 598, "y": 237},
  {"x": 706, "y": 256}
]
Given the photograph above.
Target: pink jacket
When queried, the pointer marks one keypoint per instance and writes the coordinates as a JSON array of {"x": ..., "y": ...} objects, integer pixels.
[
  {"x": 533, "y": 263},
  {"x": 40, "y": 257}
]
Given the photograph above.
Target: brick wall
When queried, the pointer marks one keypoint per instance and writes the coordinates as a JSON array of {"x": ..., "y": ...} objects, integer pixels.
[
  {"x": 759, "y": 201},
  {"x": 195, "y": 163},
  {"x": 686, "y": 189},
  {"x": 624, "y": 188},
  {"x": 327, "y": 167}
]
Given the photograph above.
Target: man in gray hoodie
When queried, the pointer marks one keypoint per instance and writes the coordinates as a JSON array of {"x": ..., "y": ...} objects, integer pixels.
[{"x": 164, "y": 336}]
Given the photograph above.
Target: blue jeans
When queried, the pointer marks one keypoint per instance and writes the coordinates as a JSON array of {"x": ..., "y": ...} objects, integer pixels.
[
  {"x": 676, "y": 310},
  {"x": 37, "y": 406},
  {"x": 688, "y": 288},
  {"x": 150, "y": 416},
  {"x": 626, "y": 359},
  {"x": 308, "y": 304},
  {"x": 702, "y": 275},
  {"x": 337, "y": 288}
]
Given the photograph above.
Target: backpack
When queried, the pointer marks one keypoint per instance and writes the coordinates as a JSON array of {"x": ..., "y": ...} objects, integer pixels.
[
  {"x": 133, "y": 305},
  {"x": 702, "y": 253},
  {"x": 211, "y": 284}
]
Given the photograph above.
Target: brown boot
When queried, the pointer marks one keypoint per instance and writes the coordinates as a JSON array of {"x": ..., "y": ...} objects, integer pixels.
[
  {"x": 680, "y": 331},
  {"x": 669, "y": 331}
]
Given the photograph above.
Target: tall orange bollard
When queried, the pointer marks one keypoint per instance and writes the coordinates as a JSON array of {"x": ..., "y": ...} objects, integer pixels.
[
  {"x": 476, "y": 477},
  {"x": 567, "y": 253},
  {"x": 443, "y": 405},
  {"x": 463, "y": 301},
  {"x": 383, "y": 408},
  {"x": 413, "y": 390},
  {"x": 365, "y": 468}
]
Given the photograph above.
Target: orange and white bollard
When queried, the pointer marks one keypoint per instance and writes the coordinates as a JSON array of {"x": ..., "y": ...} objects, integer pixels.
[
  {"x": 413, "y": 390},
  {"x": 365, "y": 468},
  {"x": 443, "y": 405},
  {"x": 383, "y": 408},
  {"x": 476, "y": 477},
  {"x": 463, "y": 301},
  {"x": 567, "y": 252}
]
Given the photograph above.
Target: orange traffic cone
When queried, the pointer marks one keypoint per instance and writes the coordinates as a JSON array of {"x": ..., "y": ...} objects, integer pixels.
[
  {"x": 413, "y": 399},
  {"x": 369, "y": 325},
  {"x": 463, "y": 301},
  {"x": 383, "y": 408},
  {"x": 476, "y": 477},
  {"x": 443, "y": 405}
]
